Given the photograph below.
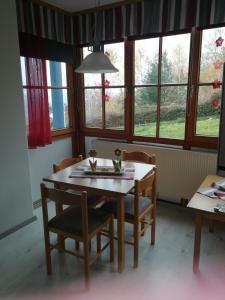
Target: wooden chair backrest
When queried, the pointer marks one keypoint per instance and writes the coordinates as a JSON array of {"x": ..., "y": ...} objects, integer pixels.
[
  {"x": 144, "y": 187},
  {"x": 61, "y": 197},
  {"x": 66, "y": 163},
  {"x": 139, "y": 156}
]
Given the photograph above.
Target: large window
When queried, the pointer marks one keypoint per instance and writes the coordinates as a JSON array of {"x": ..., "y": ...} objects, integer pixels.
[
  {"x": 104, "y": 94},
  {"x": 161, "y": 80},
  {"x": 172, "y": 87},
  {"x": 58, "y": 90}
]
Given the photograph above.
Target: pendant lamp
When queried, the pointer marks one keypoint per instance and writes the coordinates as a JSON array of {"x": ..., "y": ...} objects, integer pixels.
[{"x": 97, "y": 61}]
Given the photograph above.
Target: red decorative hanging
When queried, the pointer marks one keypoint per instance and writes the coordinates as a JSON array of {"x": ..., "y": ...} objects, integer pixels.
[
  {"x": 106, "y": 98},
  {"x": 215, "y": 103},
  {"x": 219, "y": 41},
  {"x": 107, "y": 53},
  {"x": 106, "y": 83},
  {"x": 218, "y": 64},
  {"x": 216, "y": 84}
]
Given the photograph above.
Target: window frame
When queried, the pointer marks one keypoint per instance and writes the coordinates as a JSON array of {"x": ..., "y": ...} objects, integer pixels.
[
  {"x": 190, "y": 138},
  {"x": 97, "y": 130},
  {"x": 67, "y": 131}
]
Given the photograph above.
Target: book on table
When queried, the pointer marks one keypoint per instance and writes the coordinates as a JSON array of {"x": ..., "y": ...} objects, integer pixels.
[{"x": 216, "y": 190}]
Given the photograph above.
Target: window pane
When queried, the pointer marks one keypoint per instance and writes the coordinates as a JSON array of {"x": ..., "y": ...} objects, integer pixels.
[
  {"x": 145, "y": 115},
  {"x": 212, "y": 57},
  {"x": 172, "y": 112},
  {"x": 23, "y": 70},
  {"x": 58, "y": 108},
  {"x": 91, "y": 79},
  {"x": 116, "y": 56},
  {"x": 175, "y": 58},
  {"x": 93, "y": 107},
  {"x": 146, "y": 61},
  {"x": 56, "y": 74},
  {"x": 208, "y": 111},
  {"x": 114, "y": 108}
]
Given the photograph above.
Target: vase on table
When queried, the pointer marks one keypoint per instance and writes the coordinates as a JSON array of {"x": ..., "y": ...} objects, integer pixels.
[
  {"x": 117, "y": 162},
  {"x": 93, "y": 161}
]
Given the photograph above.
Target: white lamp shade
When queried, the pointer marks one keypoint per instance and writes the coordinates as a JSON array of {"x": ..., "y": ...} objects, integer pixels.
[{"x": 96, "y": 62}]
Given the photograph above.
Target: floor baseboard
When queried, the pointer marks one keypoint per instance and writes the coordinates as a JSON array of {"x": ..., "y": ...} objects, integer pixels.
[{"x": 17, "y": 227}]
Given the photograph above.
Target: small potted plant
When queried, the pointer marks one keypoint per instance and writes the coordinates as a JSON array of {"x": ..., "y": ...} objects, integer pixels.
[
  {"x": 117, "y": 161},
  {"x": 93, "y": 162}
]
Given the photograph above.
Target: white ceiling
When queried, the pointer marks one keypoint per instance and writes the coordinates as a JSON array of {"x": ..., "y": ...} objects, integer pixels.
[{"x": 77, "y": 5}]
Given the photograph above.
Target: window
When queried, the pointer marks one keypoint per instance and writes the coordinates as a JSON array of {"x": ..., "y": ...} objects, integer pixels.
[
  {"x": 171, "y": 85},
  {"x": 104, "y": 94},
  {"x": 209, "y": 97},
  {"x": 58, "y": 90},
  {"x": 161, "y": 80}
]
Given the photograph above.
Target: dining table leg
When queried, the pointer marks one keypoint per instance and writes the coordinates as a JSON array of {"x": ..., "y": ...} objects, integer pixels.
[
  {"x": 120, "y": 232},
  {"x": 197, "y": 243}
]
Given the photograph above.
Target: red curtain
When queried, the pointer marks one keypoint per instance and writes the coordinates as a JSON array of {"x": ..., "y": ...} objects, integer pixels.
[{"x": 38, "y": 120}]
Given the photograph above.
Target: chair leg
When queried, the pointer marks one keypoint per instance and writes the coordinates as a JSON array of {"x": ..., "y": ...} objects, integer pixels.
[
  {"x": 87, "y": 264},
  {"x": 61, "y": 241},
  {"x": 48, "y": 253},
  {"x": 90, "y": 245},
  {"x": 136, "y": 243},
  {"x": 77, "y": 245},
  {"x": 111, "y": 236},
  {"x": 98, "y": 242}
]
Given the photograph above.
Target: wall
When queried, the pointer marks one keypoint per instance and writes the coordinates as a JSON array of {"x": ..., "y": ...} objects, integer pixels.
[
  {"x": 15, "y": 192},
  {"x": 42, "y": 159},
  {"x": 180, "y": 172}
]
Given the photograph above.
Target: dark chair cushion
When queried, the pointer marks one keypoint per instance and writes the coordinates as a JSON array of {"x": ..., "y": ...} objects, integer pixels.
[
  {"x": 92, "y": 199},
  {"x": 111, "y": 205},
  {"x": 70, "y": 220}
]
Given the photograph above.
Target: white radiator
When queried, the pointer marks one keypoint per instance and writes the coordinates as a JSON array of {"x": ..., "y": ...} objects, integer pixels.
[{"x": 180, "y": 172}]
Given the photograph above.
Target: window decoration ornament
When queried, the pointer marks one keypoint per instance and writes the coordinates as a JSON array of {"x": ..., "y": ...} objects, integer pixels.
[
  {"x": 106, "y": 98},
  {"x": 106, "y": 83},
  {"x": 97, "y": 61},
  {"x": 218, "y": 64},
  {"x": 219, "y": 42},
  {"x": 215, "y": 103},
  {"x": 216, "y": 84}
]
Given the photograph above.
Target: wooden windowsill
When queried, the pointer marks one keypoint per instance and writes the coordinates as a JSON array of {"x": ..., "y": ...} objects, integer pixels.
[{"x": 62, "y": 133}]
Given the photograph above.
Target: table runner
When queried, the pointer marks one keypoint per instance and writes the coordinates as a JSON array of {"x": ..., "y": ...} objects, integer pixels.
[{"x": 79, "y": 173}]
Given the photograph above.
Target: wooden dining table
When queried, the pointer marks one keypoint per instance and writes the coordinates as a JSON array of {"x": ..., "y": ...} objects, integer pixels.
[{"x": 109, "y": 187}]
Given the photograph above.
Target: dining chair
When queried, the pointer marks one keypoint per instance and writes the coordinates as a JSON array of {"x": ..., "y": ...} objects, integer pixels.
[
  {"x": 93, "y": 199},
  {"x": 137, "y": 207},
  {"x": 139, "y": 156},
  {"x": 80, "y": 223}
]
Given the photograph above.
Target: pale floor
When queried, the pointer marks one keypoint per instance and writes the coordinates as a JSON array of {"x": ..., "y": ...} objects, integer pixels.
[{"x": 164, "y": 272}]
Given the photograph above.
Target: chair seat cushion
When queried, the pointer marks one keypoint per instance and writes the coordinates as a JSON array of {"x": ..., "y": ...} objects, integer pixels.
[
  {"x": 93, "y": 199},
  {"x": 111, "y": 205},
  {"x": 70, "y": 220}
]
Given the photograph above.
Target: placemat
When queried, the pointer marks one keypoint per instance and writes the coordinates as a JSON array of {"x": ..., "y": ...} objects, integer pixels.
[{"x": 79, "y": 173}]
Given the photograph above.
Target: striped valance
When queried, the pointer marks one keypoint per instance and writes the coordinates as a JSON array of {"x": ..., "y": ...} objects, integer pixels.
[
  {"x": 138, "y": 18},
  {"x": 44, "y": 22},
  {"x": 184, "y": 14}
]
